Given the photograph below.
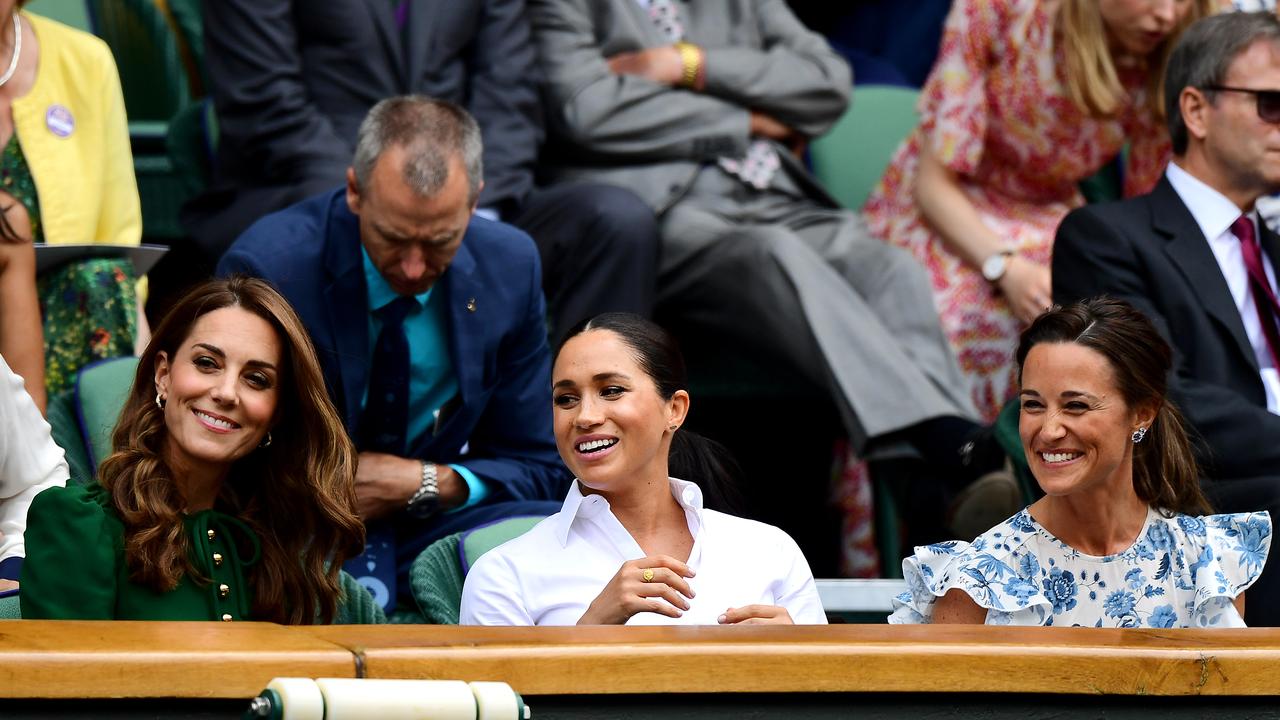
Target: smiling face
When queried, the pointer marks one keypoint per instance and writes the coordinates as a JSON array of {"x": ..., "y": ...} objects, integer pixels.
[
  {"x": 1137, "y": 27},
  {"x": 612, "y": 426},
  {"x": 221, "y": 389},
  {"x": 410, "y": 238},
  {"x": 1076, "y": 427}
]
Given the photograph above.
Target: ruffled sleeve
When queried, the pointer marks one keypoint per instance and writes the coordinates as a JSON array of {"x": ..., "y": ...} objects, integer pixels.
[
  {"x": 1226, "y": 554},
  {"x": 991, "y": 571}
]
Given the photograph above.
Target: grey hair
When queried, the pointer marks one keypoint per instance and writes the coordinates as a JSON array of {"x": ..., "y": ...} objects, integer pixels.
[
  {"x": 1203, "y": 56},
  {"x": 432, "y": 132}
]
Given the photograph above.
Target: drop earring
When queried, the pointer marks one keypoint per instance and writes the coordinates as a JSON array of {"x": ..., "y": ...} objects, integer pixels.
[
  {"x": 159, "y": 401},
  {"x": 1139, "y": 434}
]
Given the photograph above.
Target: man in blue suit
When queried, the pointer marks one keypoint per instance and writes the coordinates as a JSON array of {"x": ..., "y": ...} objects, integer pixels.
[{"x": 430, "y": 327}]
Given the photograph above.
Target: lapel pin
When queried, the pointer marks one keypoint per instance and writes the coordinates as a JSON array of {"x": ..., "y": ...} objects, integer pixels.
[{"x": 471, "y": 305}]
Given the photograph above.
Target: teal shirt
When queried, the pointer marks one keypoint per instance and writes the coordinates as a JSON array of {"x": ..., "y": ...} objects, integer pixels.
[{"x": 432, "y": 381}]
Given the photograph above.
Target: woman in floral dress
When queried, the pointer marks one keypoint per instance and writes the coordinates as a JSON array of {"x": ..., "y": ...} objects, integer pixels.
[
  {"x": 1028, "y": 97},
  {"x": 1120, "y": 538}
]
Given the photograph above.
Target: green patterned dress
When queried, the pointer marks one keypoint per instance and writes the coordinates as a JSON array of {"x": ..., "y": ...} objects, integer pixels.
[{"x": 89, "y": 307}]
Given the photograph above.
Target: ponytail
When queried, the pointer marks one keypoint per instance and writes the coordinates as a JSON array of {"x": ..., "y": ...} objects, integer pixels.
[
  {"x": 1165, "y": 473},
  {"x": 709, "y": 465}
]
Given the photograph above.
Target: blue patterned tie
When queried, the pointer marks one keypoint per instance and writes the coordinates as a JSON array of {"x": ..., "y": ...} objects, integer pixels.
[{"x": 382, "y": 429}]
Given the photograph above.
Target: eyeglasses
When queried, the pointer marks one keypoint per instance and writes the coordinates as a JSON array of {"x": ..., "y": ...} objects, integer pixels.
[{"x": 1268, "y": 101}]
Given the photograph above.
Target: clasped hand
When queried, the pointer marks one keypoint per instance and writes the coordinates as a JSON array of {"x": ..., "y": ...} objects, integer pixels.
[
  {"x": 1028, "y": 287},
  {"x": 658, "y": 584}
]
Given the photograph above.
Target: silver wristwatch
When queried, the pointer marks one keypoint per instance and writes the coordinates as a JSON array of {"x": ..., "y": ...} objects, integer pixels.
[
  {"x": 993, "y": 267},
  {"x": 426, "y": 499}
]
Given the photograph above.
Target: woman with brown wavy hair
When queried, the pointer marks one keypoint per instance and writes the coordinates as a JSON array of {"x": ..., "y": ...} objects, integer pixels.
[
  {"x": 229, "y": 494},
  {"x": 1122, "y": 536}
]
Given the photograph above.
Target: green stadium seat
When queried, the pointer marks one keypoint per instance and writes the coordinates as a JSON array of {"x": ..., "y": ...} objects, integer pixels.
[
  {"x": 437, "y": 575},
  {"x": 156, "y": 84},
  {"x": 851, "y": 158}
]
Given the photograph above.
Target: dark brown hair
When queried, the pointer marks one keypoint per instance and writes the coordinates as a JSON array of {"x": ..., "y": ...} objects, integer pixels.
[
  {"x": 694, "y": 458},
  {"x": 297, "y": 494},
  {"x": 1165, "y": 475}
]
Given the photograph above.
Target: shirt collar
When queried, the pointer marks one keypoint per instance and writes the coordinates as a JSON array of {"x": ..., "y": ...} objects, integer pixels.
[
  {"x": 1212, "y": 210},
  {"x": 380, "y": 293},
  {"x": 687, "y": 494}
]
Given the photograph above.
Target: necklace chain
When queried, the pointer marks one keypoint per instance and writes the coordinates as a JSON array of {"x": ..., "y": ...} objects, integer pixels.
[{"x": 17, "y": 50}]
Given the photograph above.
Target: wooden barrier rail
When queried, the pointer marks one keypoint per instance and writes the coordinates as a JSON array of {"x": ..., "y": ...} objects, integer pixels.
[{"x": 40, "y": 659}]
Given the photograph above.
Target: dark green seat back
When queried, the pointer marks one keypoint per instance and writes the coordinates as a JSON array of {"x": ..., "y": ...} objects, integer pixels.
[{"x": 437, "y": 575}]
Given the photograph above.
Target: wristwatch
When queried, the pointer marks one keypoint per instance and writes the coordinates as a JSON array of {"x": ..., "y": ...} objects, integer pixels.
[
  {"x": 993, "y": 267},
  {"x": 426, "y": 500}
]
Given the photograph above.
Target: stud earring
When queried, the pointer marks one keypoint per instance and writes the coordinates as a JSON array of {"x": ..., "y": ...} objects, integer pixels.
[
  {"x": 160, "y": 401},
  {"x": 1139, "y": 434},
  {"x": 267, "y": 442},
  {"x": 673, "y": 428}
]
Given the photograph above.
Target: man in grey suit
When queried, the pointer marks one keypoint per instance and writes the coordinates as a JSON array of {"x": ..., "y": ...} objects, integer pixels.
[{"x": 699, "y": 107}]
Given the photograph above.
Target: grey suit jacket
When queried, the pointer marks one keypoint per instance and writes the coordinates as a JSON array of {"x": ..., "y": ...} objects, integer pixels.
[{"x": 652, "y": 138}]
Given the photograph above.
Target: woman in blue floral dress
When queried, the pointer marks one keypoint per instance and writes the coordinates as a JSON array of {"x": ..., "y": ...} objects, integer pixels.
[{"x": 1122, "y": 537}]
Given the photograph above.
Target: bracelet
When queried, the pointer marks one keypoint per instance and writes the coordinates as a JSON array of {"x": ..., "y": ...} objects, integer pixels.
[{"x": 690, "y": 62}]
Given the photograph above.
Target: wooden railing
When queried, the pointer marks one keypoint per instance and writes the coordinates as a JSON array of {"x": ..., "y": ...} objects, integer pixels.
[{"x": 41, "y": 659}]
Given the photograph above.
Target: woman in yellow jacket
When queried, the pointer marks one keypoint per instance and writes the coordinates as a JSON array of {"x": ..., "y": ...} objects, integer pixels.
[{"x": 66, "y": 176}]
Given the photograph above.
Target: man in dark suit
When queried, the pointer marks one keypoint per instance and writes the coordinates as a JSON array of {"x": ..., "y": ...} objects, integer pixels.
[
  {"x": 429, "y": 326},
  {"x": 1194, "y": 257},
  {"x": 291, "y": 81}
]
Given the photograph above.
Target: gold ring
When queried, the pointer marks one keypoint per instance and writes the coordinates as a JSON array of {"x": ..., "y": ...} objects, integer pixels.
[{"x": 647, "y": 575}]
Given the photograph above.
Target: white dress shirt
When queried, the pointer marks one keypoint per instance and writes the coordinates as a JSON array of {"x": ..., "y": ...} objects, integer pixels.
[
  {"x": 1214, "y": 213},
  {"x": 551, "y": 574},
  {"x": 29, "y": 460}
]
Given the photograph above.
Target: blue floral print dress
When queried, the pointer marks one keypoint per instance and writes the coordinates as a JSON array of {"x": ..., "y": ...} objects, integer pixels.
[{"x": 1182, "y": 571}]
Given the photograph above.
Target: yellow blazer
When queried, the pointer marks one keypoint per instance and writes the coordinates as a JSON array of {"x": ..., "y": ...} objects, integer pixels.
[{"x": 74, "y": 134}]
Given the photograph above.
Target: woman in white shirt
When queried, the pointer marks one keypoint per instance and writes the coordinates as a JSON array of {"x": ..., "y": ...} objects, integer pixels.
[
  {"x": 632, "y": 545},
  {"x": 29, "y": 462}
]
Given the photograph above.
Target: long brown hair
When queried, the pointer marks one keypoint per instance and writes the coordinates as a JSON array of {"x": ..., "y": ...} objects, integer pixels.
[
  {"x": 297, "y": 494},
  {"x": 1165, "y": 474},
  {"x": 1093, "y": 82}
]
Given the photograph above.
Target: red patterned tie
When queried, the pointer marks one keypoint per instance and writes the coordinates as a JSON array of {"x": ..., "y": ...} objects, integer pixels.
[{"x": 1264, "y": 298}]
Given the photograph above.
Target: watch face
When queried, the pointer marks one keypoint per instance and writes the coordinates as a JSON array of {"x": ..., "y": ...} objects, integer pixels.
[
  {"x": 425, "y": 507},
  {"x": 993, "y": 267}
]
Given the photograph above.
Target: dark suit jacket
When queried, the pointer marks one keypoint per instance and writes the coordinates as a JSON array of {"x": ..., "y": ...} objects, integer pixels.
[
  {"x": 311, "y": 253},
  {"x": 292, "y": 79},
  {"x": 1150, "y": 252}
]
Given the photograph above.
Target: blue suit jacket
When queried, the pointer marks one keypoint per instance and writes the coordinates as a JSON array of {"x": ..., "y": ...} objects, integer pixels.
[{"x": 497, "y": 334}]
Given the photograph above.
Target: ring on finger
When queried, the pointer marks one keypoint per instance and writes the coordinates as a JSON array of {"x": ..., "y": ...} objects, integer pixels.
[{"x": 647, "y": 575}]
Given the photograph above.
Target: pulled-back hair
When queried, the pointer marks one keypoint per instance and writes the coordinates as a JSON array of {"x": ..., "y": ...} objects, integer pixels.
[
  {"x": 1165, "y": 474},
  {"x": 692, "y": 457},
  {"x": 297, "y": 494}
]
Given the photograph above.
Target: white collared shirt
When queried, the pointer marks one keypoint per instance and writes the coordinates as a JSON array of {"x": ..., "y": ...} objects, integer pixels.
[
  {"x": 551, "y": 574},
  {"x": 30, "y": 461},
  {"x": 1214, "y": 213}
]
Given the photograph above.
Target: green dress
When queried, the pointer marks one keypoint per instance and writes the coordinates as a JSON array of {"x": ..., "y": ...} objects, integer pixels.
[
  {"x": 89, "y": 307},
  {"x": 75, "y": 567}
]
